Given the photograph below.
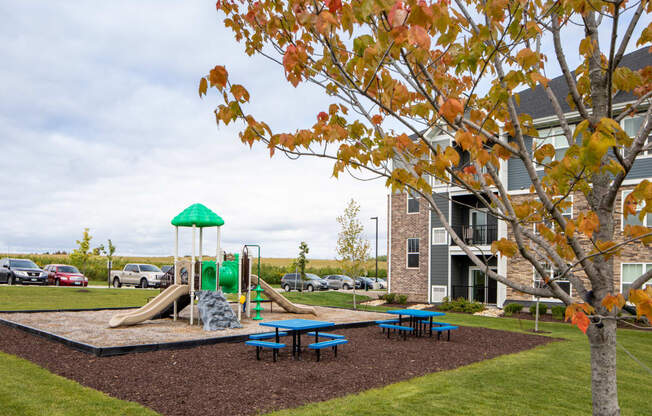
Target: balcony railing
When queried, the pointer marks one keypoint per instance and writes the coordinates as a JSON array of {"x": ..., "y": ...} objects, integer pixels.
[
  {"x": 477, "y": 293},
  {"x": 477, "y": 235}
]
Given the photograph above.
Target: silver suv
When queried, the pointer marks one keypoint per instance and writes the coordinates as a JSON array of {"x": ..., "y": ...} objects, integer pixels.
[
  {"x": 312, "y": 282},
  {"x": 339, "y": 281}
]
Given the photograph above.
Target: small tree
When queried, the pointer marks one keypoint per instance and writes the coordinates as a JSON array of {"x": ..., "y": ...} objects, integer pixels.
[
  {"x": 80, "y": 255},
  {"x": 301, "y": 261},
  {"x": 455, "y": 69},
  {"x": 352, "y": 250}
]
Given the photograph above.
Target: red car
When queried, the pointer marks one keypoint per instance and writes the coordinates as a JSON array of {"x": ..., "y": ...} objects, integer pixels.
[{"x": 65, "y": 275}]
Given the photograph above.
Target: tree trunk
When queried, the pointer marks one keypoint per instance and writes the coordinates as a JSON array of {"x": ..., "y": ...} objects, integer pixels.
[{"x": 603, "y": 368}]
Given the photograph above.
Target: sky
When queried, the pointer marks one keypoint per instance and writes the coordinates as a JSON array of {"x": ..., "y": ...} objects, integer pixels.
[{"x": 101, "y": 127}]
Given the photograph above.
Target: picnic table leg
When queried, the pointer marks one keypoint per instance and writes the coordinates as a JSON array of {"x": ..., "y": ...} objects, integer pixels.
[
  {"x": 294, "y": 343},
  {"x": 316, "y": 336},
  {"x": 430, "y": 325},
  {"x": 278, "y": 339},
  {"x": 258, "y": 353},
  {"x": 299, "y": 344}
]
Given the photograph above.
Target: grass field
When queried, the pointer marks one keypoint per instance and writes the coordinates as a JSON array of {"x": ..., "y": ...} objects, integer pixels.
[
  {"x": 14, "y": 298},
  {"x": 96, "y": 270},
  {"x": 552, "y": 379}
]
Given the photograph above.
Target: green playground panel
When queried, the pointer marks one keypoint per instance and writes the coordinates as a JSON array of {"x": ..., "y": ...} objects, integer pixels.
[{"x": 229, "y": 275}]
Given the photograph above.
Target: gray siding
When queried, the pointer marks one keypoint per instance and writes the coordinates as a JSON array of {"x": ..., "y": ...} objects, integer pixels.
[
  {"x": 442, "y": 203},
  {"x": 642, "y": 169},
  {"x": 439, "y": 253},
  {"x": 517, "y": 177},
  {"x": 439, "y": 265}
]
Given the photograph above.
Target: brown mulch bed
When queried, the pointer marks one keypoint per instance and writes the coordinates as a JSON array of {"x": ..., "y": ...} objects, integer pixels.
[{"x": 227, "y": 379}]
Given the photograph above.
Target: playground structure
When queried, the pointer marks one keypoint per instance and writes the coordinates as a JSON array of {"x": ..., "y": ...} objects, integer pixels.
[{"x": 229, "y": 275}]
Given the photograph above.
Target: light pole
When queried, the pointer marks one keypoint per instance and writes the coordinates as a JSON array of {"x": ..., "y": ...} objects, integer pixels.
[{"x": 376, "y": 219}]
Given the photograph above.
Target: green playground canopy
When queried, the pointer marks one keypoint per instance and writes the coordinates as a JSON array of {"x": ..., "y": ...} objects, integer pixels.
[{"x": 198, "y": 215}]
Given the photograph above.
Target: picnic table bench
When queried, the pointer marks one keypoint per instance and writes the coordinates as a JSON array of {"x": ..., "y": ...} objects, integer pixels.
[
  {"x": 275, "y": 346},
  {"x": 317, "y": 346}
]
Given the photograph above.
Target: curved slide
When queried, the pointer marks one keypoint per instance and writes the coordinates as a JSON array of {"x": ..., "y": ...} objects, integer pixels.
[
  {"x": 281, "y": 300},
  {"x": 153, "y": 308}
]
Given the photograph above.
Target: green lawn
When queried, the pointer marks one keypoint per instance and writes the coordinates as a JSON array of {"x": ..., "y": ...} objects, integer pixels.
[
  {"x": 14, "y": 298},
  {"x": 552, "y": 379},
  {"x": 27, "y": 389}
]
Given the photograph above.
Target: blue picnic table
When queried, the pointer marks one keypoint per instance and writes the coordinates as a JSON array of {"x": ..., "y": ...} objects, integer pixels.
[
  {"x": 416, "y": 316},
  {"x": 297, "y": 326}
]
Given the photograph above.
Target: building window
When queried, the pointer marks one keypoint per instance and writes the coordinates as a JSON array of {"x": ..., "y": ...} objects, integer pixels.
[
  {"x": 551, "y": 273},
  {"x": 566, "y": 212},
  {"x": 631, "y": 272},
  {"x": 554, "y": 136},
  {"x": 439, "y": 236},
  {"x": 412, "y": 253},
  {"x": 631, "y": 125},
  {"x": 412, "y": 203},
  {"x": 633, "y": 219}
]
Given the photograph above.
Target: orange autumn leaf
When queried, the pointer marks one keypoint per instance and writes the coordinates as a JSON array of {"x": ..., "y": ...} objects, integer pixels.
[
  {"x": 240, "y": 93},
  {"x": 203, "y": 87},
  {"x": 451, "y": 108},
  {"x": 377, "y": 119},
  {"x": 218, "y": 77},
  {"x": 505, "y": 247},
  {"x": 610, "y": 301},
  {"x": 581, "y": 320}
]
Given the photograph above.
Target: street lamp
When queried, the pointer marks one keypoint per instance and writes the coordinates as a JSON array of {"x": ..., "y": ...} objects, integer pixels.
[{"x": 376, "y": 219}]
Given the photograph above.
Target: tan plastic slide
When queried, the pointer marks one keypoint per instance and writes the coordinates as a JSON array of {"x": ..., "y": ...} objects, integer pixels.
[
  {"x": 158, "y": 304},
  {"x": 281, "y": 300}
]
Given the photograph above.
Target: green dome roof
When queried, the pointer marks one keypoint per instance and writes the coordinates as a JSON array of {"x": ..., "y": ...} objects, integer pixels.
[{"x": 199, "y": 215}]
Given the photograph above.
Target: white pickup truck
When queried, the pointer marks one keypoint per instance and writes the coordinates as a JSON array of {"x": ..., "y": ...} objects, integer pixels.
[{"x": 141, "y": 275}]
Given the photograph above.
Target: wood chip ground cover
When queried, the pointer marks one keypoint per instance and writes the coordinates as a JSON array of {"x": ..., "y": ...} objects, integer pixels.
[{"x": 227, "y": 379}]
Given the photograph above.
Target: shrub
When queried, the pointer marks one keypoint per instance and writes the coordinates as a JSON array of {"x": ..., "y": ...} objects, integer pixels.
[
  {"x": 461, "y": 305},
  {"x": 558, "y": 312},
  {"x": 543, "y": 308},
  {"x": 401, "y": 299},
  {"x": 389, "y": 297},
  {"x": 513, "y": 308}
]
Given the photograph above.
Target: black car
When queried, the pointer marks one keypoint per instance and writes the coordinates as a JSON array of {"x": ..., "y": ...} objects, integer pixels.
[
  {"x": 23, "y": 271},
  {"x": 364, "y": 283}
]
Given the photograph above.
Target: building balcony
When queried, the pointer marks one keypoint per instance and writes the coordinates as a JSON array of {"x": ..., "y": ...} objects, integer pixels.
[{"x": 477, "y": 235}]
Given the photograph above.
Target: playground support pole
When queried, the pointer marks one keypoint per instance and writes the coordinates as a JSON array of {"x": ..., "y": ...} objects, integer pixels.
[
  {"x": 249, "y": 283},
  {"x": 192, "y": 277},
  {"x": 218, "y": 259},
  {"x": 176, "y": 258},
  {"x": 239, "y": 285},
  {"x": 201, "y": 244}
]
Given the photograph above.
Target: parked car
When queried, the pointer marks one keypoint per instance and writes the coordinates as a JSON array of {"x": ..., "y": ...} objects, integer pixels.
[
  {"x": 382, "y": 283},
  {"x": 22, "y": 271},
  {"x": 364, "y": 283},
  {"x": 293, "y": 281},
  {"x": 339, "y": 281},
  {"x": 142, "y": 275},
  {"x": 166, "y": 268},
  {"x": 65, "y": 275}
]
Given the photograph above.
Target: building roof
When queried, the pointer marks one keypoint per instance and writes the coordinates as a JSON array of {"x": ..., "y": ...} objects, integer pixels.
[
  {"x": 198, "y": 215},
  {"x": 535, "y": 101}
]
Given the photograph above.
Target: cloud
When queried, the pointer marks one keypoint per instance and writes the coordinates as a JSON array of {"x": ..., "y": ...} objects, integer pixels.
[{"x": 101, "y": 127}]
